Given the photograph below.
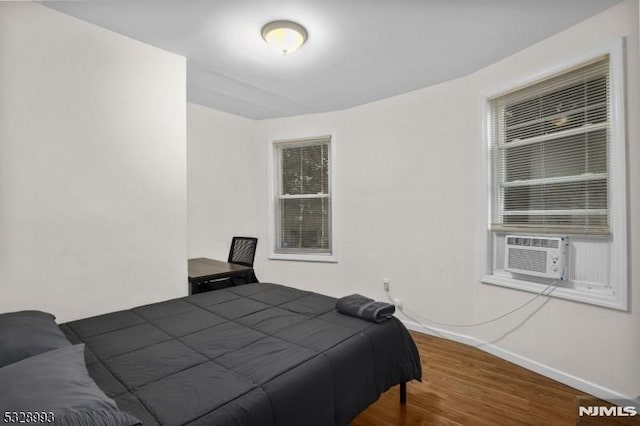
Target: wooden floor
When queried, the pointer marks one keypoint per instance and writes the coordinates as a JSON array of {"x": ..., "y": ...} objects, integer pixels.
[{"x": 463, "y": 385}]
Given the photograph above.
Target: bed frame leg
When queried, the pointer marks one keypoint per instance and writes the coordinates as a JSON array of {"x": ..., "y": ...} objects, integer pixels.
[{"x": 403, "y": 393}]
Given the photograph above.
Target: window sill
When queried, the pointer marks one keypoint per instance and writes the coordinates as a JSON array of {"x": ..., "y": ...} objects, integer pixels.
[
  {"x": 601, "y": 297},
  {"x": 322, "y": 258}
]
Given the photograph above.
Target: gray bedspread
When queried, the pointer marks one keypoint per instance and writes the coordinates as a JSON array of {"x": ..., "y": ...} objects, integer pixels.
[{"x": 256, "y": 354}]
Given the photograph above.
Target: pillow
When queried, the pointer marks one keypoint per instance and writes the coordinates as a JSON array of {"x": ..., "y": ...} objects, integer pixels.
[
  {"x": 57, "y": 382},
  {"x": 27, "y": 333}
]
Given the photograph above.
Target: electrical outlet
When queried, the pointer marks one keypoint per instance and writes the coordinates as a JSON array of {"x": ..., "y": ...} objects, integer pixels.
[{"x": 386, "y": 284}]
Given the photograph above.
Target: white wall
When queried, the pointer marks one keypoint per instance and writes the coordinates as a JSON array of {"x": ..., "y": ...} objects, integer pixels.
[
  {"x": 597, "y": 344},
  {"x": 92, "y": 167},
  {"x": 411, "y": 207},
  {"x": 222, "y": 195},
  {"x": 389, "y": 196}
]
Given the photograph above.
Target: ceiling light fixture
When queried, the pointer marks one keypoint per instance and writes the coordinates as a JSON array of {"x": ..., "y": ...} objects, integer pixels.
[{"x": 284, "y": 36}]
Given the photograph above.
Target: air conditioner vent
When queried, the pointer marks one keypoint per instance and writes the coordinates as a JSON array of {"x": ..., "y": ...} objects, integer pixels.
[
  {"x": 536, "y": 256},
  {"x": 529, "y": 260}
]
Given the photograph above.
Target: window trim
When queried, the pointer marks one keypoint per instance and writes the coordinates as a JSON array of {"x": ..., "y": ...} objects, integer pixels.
[
  {"x": 274, "y": 181},
  {"x": 617, "y": 295}
]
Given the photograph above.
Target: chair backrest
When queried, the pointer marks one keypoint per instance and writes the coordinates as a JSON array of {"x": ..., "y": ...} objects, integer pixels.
[{"x": 243, "y": 250}]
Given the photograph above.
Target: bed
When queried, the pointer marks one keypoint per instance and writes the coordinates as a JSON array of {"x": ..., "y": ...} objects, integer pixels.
[{"x": 256, "y": 354}]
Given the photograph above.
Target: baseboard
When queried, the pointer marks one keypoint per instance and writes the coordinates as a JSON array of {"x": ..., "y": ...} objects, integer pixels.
[{"x": 550, "y": 372}]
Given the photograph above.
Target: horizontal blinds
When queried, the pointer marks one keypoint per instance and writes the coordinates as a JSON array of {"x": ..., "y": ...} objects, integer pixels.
[
  {"x": 304, "y": 196},
  {"x": 549, "y": 146}
]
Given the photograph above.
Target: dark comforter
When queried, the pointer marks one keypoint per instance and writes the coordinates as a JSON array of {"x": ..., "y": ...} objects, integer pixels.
[{"x": 256, "y": 354}]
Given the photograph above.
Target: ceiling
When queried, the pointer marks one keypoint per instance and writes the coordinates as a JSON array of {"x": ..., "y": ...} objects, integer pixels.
[{"x": 358, "y": 51}]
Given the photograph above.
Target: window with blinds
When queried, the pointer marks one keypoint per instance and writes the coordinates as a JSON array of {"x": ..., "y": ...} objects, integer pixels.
[
  {"x": 549, "y": 154},
  {"x": 303, "y": 205}
]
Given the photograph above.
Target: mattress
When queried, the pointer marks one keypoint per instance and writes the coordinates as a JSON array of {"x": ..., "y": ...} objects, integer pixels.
[{"x": 256, "y": 354}]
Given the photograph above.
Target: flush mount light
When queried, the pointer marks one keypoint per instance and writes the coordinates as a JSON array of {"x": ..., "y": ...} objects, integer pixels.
[{"x": 284, "y": 36}]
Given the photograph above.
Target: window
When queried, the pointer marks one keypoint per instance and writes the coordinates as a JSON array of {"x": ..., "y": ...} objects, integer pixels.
[
  {"x": 549, "y": 150},
  {"x": 557, "y": 167},
  {"x": 303, "y": 199}
]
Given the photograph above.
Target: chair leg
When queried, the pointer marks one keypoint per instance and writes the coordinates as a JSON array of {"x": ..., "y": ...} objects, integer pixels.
[{"x": 403, "y": 393}]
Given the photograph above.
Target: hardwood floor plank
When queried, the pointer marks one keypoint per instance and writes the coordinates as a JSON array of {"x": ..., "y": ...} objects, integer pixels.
[{"x": 463, "y": 385}]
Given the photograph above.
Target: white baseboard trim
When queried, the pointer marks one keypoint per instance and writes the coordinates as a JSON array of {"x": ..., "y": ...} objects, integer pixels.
[{"x": 550, "y": 372}]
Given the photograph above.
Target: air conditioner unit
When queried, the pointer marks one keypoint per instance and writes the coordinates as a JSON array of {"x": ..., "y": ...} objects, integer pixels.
[{"x": 536, "y": 256}]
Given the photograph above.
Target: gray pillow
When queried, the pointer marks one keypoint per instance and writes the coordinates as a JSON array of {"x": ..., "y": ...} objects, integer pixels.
[
  {"x": 27, "y": 333},
  {"x": 58, "y": 382}
]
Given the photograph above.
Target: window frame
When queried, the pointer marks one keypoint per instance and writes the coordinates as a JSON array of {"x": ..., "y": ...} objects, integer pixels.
[
  {"x": 617, "y": 294},
  {"x": 275, "y": 172}
]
